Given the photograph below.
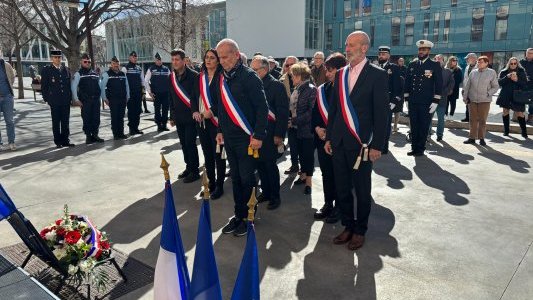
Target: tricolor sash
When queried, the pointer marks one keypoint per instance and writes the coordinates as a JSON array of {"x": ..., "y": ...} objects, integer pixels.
[
  {"x": 232, "y": 108},
  {"x": 180, "y": 91},
  {"x": 94, "y": 240},
  {"x": 349, "y": 115},
  {"x": 207, "y": 99},
  {"x": 323, "y": 105},
  {"x": 271, "y": 116}
]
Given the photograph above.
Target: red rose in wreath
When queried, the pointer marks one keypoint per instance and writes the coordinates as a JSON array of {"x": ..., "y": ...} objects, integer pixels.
[
  {"x": 72, "y": 237},
  {"x": 105, "y": 245},
  {"x": 61, "y": 232},
  {"x": 44, "y": 232}
]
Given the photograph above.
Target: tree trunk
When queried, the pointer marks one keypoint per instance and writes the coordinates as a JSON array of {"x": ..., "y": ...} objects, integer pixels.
[
  {"x": 20, "y": 78},
  {"x": 73, "y": 58},
  {"x": 183, "y": 27}
]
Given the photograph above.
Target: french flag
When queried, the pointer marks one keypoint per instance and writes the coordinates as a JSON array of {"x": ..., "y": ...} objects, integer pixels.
[{"x": 171, "y": 281}]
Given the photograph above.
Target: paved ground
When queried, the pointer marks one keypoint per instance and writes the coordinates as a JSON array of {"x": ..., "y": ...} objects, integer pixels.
[{"x": 455, "y": 224}]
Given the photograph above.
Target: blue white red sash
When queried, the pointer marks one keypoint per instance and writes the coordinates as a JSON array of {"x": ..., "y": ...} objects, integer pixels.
[
  {"x": 94, "y": 240},
  {"x": 232, "y": 108},
  {"x": 271, "y": 116},
  {"x": 180, "y": 91},
  {"x": 323, "y": 106},
  {"x": 349, "y": 113},
  {"x": 207, "y": 99}
]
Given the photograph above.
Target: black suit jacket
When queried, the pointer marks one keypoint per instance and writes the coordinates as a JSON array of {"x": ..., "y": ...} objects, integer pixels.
[
  {"x": 55, "y": 85},
  {"x": 370, "y": 99},
  {"x": 179, "y": 112},
  {"x": 395, "y": 83},
  {"x": 278, "y": 103}
]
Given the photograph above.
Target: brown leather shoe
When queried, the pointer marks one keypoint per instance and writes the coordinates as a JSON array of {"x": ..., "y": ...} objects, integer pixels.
[
  {"x": 356, "y": 242},
  {"x": 343, "y": 238}
]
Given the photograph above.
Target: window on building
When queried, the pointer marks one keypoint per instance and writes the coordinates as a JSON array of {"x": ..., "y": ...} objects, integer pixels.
[
  {"x": 334, "y": 8},
  {"x": 425, "y": 32},
  {"x": 478, "y": 19},
  {"x": 407, "y": 5},
  {"x": 372, "y": 32},
  {"x": 425, "y": 4},
  {"x": 502, "y": 14},
  {"x": 387, "y": 6},
  {"x": 409, "y": 30},
  {"x": 454, "y": 3},
  {"x": 367, "y": 7},
  {"x": 446, "y": 33},
  {"x": 398, "y": 4},
  {"x": 395, "y": 31},
  {"x": 358, "y": 25},
  {"x": 329, "y": 36},
  {"x": 35, "y": 51},
  {"x": 436, "y": 27},
  {"x": 347, "y": 9},
  {"x": 341, "y": 35}
]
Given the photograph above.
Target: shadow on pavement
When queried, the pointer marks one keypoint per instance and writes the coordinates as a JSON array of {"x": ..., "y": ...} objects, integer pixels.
[
  {"x": 445, "y": 150},
  {"x": 389, "y": 167},
  {"x": 516, "y": 165},
  {"x": 432, "y": 175}
]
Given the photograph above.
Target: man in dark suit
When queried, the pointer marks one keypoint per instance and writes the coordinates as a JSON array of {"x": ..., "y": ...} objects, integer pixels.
[
  {"x": 423, "y": 89},
  {"x": 55, "y": 85},
  {"x": 355, "y": 135},
  {"x": 184, "y": 93},
  {"x": 278, "y": 105},
  {"x": 395, "y": 87}
]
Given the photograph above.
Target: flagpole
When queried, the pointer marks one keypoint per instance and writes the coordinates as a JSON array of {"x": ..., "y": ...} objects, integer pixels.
[
  {"x": 251, "y": 206},
  {"x": 164, "y": 166}
]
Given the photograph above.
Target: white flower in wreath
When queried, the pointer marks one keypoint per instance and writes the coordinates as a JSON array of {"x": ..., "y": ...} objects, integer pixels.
[
  {"x": 72, "y": 269},
  {"x": 50, "y": 236},
  {"x": 80, "y": 242},
  {"x": 86, "y": 265},
  {"x": 60, "y": 253}
]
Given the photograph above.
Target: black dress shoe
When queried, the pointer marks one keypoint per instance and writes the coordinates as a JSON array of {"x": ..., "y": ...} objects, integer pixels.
[
  {"x": 482, "y": 142},
  {"x": 159, "y": 129},
  {"x": 261, "y": 198},
  {"x": 217, "y": 193},
  {"x": 469, "y": 141},
  {"x": 324, "y": 212},
  {"x": 411, "y": 153},
  {"x": 59, "y": 146},
  {"x": 299, "y": 181},
  {"x": 120, "y": 137},
  {"x": 273, "y": 204},
  {"x": 334, "y": 216},
  {"x": 465, "y": 120},
  {"x": 184, "y": 174},
  {"x": 165, "y": 129},
  {"x": 418, "y": 154},
  {"x": 307, "y": 190},
  {"x": 98, "y": 139},
  {"x": 89, "y": 140},
  {"x": 138, "y": 132},
  {"x": 439, "y": 138},
  {"x": 192, "y": 177},
  {"x": 68, "y": 144}
]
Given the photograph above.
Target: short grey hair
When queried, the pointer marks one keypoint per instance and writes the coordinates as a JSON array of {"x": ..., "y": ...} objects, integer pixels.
[
  {"x": 233, "y": 44},
  {"x": 290, "y": 57},
  {"x": 319, "y": 54},
  {"x": 366, "y": 40},
  {"x": 265, "y": 64}
]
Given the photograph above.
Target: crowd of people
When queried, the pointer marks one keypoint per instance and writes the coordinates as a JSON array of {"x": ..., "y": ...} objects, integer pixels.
[{"x": 341, "y": 106}]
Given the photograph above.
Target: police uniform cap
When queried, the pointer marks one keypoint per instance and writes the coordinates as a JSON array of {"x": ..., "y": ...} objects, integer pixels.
[
  {"x": 133, "y": 53},
  {"x": 114, "y": 59},
  {"x": 384, "y": 49},
  {"x": 157, "y": 56},
  {"x": 55, "y": 53},
  {"x": 424, "y": 44}
]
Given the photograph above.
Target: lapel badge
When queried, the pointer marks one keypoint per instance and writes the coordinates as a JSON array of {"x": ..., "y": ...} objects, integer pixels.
[
  {"x": 428, "y": 73},
  {"x": 389, "y": 71}
]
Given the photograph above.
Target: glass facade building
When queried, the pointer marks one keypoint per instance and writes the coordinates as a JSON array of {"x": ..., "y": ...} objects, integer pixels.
[{"x": 498, "y": 29}]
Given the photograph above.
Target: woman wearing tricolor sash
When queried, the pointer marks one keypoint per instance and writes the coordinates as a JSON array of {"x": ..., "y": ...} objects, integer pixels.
[
  {"x": 329, "y": 213},
  {"x": 215, "y": 166}
]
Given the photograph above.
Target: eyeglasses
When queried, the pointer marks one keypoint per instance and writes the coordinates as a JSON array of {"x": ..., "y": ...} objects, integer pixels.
[
  {"x": 86, "y": 61},
  {"x": 513, "y": 64}
]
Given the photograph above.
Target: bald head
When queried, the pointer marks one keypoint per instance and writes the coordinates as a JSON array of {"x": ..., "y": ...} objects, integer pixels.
[
  {"x": 357, "y": 44},
  {"x": 228, "y": 53}
]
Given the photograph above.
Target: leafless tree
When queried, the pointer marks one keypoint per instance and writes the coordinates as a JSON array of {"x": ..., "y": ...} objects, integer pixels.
[{"x": 66, "y": 27}]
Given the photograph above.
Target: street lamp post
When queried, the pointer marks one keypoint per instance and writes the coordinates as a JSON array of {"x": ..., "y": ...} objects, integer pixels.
[{"x": 76, "y": 4}]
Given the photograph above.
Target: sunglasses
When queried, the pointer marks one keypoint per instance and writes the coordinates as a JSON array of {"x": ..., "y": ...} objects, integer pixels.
[
  {"x": 513, "y": 64},
  {"x": 86, "y": 61}
]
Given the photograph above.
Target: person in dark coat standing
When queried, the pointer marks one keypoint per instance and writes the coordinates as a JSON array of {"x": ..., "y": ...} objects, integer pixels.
[
  {"x": 399, "y": 108},
  {"x": 243, "y": 123},
  {"x": 447, "y": 86},
  {"x": 395, "y": 87},
  {"x": 215, "y": 163},
  {"x": 278, "y": 116},
  {"x": 136, "y": 82},
  {"x": 116, "y": 94},
  {"x": 86, "y": 93},
  {"x": 457, "y": 72},
  {"x": 156, "y": 84},
  {"x": 471, "y": 65},
  {"x": 423, "y": 91},
  {"x": 513, "y": 77},
  {"x": 184, "y": 112},
  {"x": 527, "y": 64},
  {"x": 56, "y": 90},
  {"x": 329, "y": 212},
  {"x": 355, "y": 136}
]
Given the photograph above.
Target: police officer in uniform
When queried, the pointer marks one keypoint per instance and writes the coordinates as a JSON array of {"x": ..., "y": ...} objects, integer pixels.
[
  {"x": 136, "y": 82},
  {"x": 278, "y": 104},
  {"x": 86, "y": 93},
  {"x": 423, "y": 89},
  {"x": 247, "y": 91},
  {"x": 55, "y": 85},
  {"x": 183, "y": 83},
  {"x": 157, "y": 87},
  {"x": 395, "y": 87},
  {"x": 116, "y": 93}
]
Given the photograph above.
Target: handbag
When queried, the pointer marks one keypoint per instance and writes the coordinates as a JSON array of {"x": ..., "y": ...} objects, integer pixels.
[{"x": 523, "y": 97}]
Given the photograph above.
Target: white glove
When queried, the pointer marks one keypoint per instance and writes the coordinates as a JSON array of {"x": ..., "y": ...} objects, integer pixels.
[
  {"x": 433, "y": 107},
  {"x": 392, "y": 106}
]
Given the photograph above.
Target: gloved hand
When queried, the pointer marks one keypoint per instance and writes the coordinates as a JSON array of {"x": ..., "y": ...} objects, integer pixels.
[
  {"x": 392, "y": 106},
  {"x": 433, "y": 107}
]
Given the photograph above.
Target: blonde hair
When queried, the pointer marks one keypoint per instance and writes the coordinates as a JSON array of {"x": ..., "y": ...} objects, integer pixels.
[
  {"x": 449, "y": 62},
  {"x": 302, "y": 70}
]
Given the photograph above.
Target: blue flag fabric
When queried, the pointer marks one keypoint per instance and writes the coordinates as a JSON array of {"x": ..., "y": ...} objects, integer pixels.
[
  {"x": 171, "y": 279},
  {"x": 6, "y": 205},
  {"x": 247, "y": 284},
  {"x": 205, "y": 284}
]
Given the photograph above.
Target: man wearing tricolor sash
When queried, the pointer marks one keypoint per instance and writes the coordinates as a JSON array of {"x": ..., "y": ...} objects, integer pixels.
[
  {"x": 184, "y": 112},
  {"x": 355, "y": 135},
  {"x": 278, "y": 118},
  {"x": 242, "y": 117}
]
